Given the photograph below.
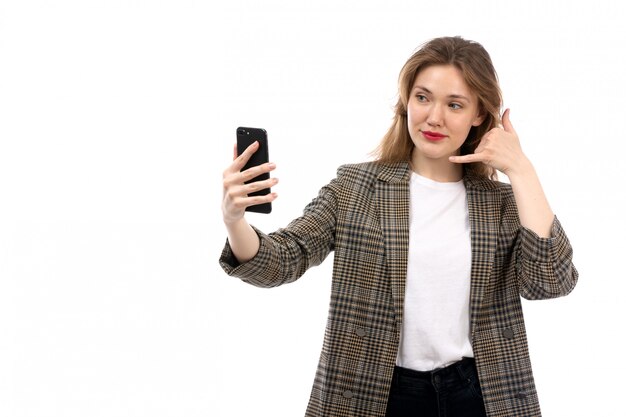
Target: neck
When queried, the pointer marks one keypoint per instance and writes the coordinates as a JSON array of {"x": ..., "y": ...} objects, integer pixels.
[{"x": 440, "y": 170}]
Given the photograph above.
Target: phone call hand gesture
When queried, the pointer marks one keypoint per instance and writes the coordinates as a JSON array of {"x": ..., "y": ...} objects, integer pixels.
[
  {"x": 236, "y": 192},
  {"x": 499, "y": 148}
]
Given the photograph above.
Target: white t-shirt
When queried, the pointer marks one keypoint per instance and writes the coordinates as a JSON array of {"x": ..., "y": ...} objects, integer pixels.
[{"x": 435, "y": 331}]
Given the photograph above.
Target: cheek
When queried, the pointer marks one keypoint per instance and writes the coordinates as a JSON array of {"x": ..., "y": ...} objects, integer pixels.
[
  {"x": 413, "y": 114},
  {"x": 463, "y": 125},
  {"x": 409, "y": 115}
]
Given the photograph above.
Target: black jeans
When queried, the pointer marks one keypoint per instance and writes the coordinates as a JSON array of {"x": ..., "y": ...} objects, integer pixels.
[{"x": 452, "y": 391}]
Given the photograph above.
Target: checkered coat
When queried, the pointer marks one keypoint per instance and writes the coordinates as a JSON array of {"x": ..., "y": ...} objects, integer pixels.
[{"x": 363, "y": 216}]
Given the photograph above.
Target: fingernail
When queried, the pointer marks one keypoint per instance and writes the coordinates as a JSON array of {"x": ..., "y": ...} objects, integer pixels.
[{"x": 272, "y": 165}]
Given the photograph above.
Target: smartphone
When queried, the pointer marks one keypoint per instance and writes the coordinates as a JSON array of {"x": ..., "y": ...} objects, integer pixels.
[{"x": 246, "y": 136}]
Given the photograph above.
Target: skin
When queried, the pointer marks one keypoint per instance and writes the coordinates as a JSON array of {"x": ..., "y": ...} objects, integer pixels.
[
  {"x": 435, "y": 106},
  {"x": 440, "y": 102},
  {"x": 500, "y": 148},
  {"x": 243, "y": 240}
]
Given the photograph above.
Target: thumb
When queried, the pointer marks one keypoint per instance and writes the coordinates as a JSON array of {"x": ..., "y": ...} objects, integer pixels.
[{"x": 506, "y": 121}]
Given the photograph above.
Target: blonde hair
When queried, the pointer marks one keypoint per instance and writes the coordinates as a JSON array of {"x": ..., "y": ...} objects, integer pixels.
[{"x": 480, "y": 75}]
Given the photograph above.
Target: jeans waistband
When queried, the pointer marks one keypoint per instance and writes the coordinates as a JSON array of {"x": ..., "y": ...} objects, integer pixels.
[{"x": 463, "y": 367}]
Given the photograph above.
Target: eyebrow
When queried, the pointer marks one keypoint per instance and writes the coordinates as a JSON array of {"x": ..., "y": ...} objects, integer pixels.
[{"x": 449, "y": 96}]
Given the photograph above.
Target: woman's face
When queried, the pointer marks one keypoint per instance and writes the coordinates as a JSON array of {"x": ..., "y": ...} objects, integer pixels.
[{"x": 441, "y": 110}]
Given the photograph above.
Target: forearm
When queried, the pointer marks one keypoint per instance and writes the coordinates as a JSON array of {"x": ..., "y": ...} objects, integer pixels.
[
  {"x": 243, "y": 240},
  {"x": 533, "y": 207}
]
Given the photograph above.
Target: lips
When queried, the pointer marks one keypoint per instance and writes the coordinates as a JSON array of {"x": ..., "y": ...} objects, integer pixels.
[{"x": 432, "y": 136}]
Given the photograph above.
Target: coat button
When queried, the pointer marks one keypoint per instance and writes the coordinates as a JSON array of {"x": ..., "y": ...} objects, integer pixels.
[
  {"x": 360, "y": 332},
  {"x": 508, "y": 333},
  {"x": 348, "y": 394},
  {"x": 521, "y": 395}
]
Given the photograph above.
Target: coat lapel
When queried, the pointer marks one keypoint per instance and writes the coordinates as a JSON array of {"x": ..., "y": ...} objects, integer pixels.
[
  {"x": 483, "y": 200},
  {"x": 393, "y": 204},
  {"x": 392, "y": 201}
]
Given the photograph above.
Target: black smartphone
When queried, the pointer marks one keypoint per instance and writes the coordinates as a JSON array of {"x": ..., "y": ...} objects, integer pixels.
[{"x": 246, "y": 136}]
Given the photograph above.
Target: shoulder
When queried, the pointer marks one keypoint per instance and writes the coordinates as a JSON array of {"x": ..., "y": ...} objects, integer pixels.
[
  {"x": 359, "y": 172},
  {"x": 356, "y": 185},
  {"x": 486, "y": 184},
  {"x": 490, "y": 196},
  {"x": 368, "y": 173},
  {"x": 485, "y": 189}
]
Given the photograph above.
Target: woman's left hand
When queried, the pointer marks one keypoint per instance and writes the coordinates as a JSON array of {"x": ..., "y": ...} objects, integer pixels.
[{"x": 499, "y": 148}]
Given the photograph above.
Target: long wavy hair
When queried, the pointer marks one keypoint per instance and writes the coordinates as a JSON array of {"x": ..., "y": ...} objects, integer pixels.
[{"x": 479, "y": 74}]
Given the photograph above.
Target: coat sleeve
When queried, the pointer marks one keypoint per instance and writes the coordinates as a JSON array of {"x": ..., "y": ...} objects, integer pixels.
[
  {"x": 544, "y": 265},
  {"x": 286, "y": 254}
]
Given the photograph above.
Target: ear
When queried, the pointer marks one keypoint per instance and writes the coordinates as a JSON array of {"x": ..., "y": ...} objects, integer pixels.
[{"x": 480, "y": 118}]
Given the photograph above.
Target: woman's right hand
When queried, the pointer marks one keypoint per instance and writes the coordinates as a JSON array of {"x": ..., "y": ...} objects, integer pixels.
[{"x": 236, "y": 192}]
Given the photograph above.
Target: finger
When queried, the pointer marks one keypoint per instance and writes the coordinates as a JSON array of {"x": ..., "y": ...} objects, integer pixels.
[
  {"x": 234, "y": 151},
  {"x": 464, "y": 159},
  {"x": 260, "y": 185},
  {"x": 234, "y": 177},
  {"x": 506, "y": 121},
  {"x": 241, "y": 160},
  {"x": 255, "y": 171},
  {"x": 238, "y": 197},
  {"x": 253, "y": 201}
]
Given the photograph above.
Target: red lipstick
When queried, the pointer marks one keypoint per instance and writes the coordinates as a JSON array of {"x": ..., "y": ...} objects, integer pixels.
[{"x": 432, "y": 136}]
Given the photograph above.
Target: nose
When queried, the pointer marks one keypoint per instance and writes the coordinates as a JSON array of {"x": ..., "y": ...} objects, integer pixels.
[{"x": 435, "y": 115}]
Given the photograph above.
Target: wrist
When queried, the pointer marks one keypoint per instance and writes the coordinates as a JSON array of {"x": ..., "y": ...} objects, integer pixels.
[
  {"x": 234, "y": 222},
  {"x": 523, "y": 168}
]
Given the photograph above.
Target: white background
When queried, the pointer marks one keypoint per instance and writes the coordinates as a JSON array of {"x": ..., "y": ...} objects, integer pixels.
[{"x": 117, "y": 119}]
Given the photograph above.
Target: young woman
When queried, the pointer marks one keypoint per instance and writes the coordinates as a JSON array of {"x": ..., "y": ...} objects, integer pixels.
[{"x": 431, "y": 256}]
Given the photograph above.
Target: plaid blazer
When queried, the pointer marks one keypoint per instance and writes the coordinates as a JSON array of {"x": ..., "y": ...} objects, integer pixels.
[{"x": 363, "y": 215}]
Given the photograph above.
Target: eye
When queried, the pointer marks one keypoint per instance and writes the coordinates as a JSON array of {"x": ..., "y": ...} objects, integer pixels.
[
  {"x": 455, "y": 106},
  {"x": 421, "y": 98}
]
